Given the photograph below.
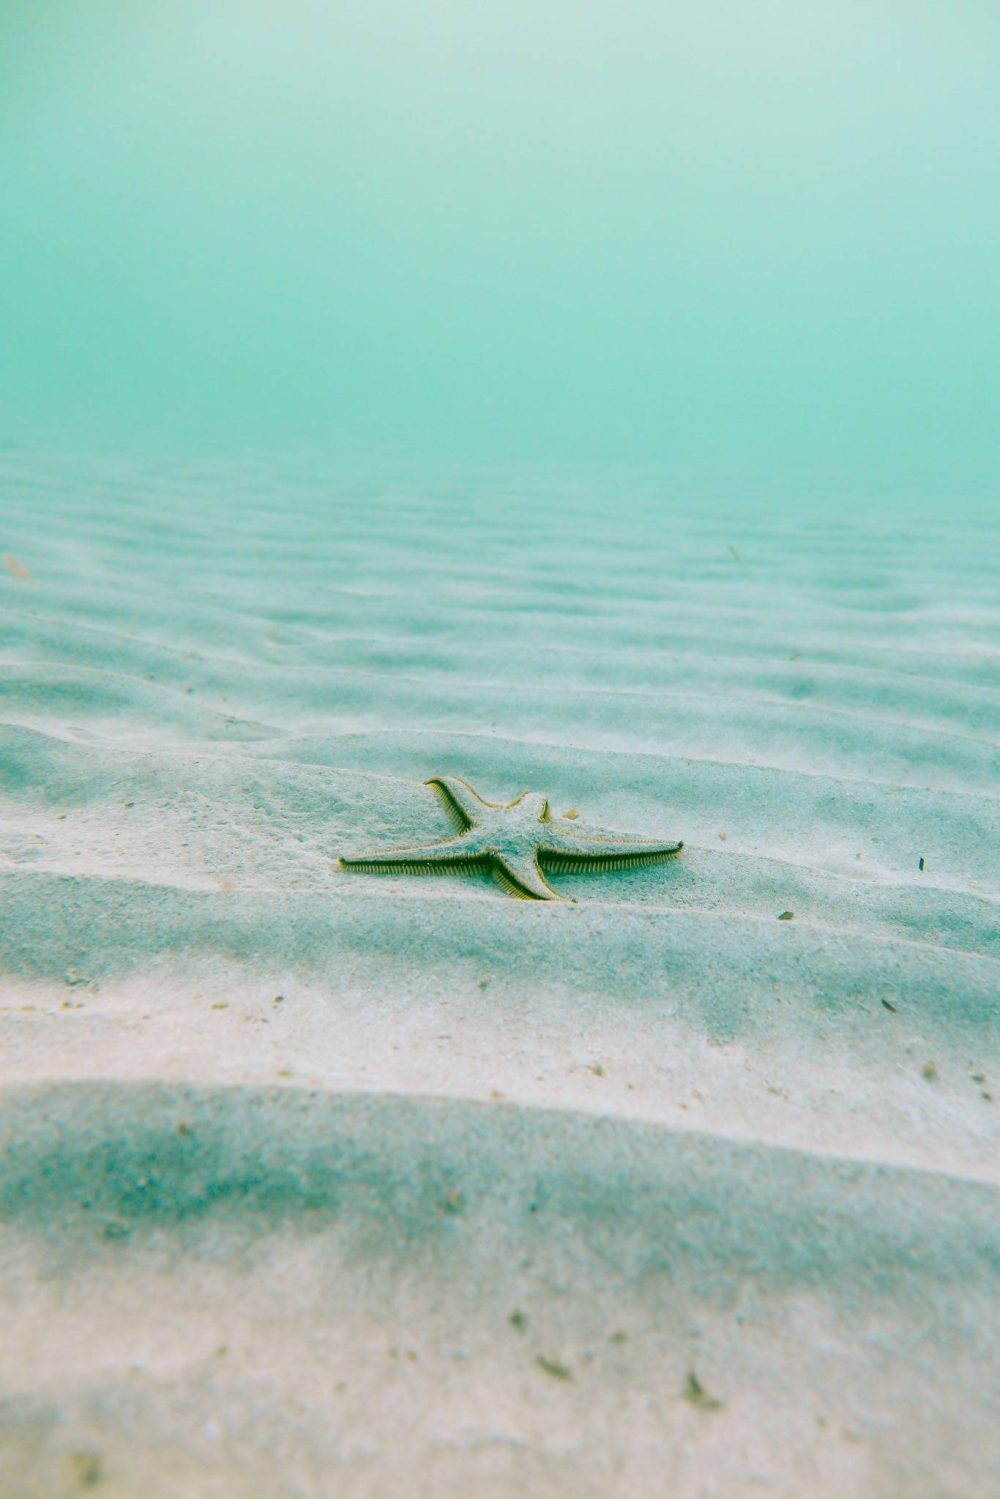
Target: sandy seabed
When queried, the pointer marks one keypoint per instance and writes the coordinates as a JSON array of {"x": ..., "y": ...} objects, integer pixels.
[{"x": 324, "y": 1184}]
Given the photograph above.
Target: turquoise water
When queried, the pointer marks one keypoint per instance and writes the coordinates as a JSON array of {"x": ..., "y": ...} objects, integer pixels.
[
  {"x": 593, "y": 400},
  {"x": 748, "y": 244}
]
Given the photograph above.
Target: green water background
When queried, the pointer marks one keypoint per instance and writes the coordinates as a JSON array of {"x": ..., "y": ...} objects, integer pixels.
[{"x": 749, "y": 244}]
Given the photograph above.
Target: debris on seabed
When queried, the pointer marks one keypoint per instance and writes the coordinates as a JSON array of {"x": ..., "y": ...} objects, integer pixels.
[
  {"x": 696, "y": 1394},
  {"x": 86, "y": 1468},
  {"x": 518, "y": 1321},
  {"x": 16, "y": 568},
  {"x": 920, "y": 863},
  {"x": 929, "y": 1072},
  {"x": 887, "y": 1004},
  {"x": 553, "y": 1367},
  {"x": 980, "y": 1079},
  {"x": 786, "y": 916}
]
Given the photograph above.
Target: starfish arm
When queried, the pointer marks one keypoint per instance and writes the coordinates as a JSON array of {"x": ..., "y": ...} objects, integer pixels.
[
  {"x": 454, "y": 851},
  {"x": 462, "y": 802},
  {"x": 520, "y": 874},
  {"x": 608, "y": 853}
]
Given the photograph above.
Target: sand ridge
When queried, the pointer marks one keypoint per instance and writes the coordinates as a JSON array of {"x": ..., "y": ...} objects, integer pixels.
[{"x": 763, "y": 1151}]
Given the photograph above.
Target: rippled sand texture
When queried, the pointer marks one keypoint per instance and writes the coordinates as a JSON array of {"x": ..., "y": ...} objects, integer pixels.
[{"x": 316, "y": 1183}]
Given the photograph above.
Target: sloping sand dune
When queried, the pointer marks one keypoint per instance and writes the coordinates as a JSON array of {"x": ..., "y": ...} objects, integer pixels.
[
  {"x": 321, "y": 1183},
  {"x": 245, "y": 1289}
]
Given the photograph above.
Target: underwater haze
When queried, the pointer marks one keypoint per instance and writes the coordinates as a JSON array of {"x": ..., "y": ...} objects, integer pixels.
[
  {"x": 597, "y": 400},
  {"x": 749, "y": 242}
]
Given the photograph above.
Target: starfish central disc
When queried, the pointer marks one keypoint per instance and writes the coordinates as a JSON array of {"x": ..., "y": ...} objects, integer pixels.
[{"x": 514, "y": 840}]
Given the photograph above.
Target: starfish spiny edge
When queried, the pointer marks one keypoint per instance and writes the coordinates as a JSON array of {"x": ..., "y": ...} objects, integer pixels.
[{"x": 512, "y": 840}]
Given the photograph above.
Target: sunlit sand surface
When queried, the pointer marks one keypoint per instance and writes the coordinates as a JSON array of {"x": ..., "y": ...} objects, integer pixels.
[{"x": 317, "y": 1182}]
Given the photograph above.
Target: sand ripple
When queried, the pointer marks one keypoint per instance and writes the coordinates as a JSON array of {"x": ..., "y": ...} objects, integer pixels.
[{"x": 293, "y": 1159}]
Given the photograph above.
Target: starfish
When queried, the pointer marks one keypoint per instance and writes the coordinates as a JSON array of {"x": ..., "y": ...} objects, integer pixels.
[{"x": 512, "y": 839}]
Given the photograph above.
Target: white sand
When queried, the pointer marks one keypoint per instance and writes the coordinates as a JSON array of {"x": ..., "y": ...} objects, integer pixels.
[{"x": 273, "y": 1247}]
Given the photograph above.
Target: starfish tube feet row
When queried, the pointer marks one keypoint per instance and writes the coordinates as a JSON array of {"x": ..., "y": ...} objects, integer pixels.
[{"x": 513, "y": 840}]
